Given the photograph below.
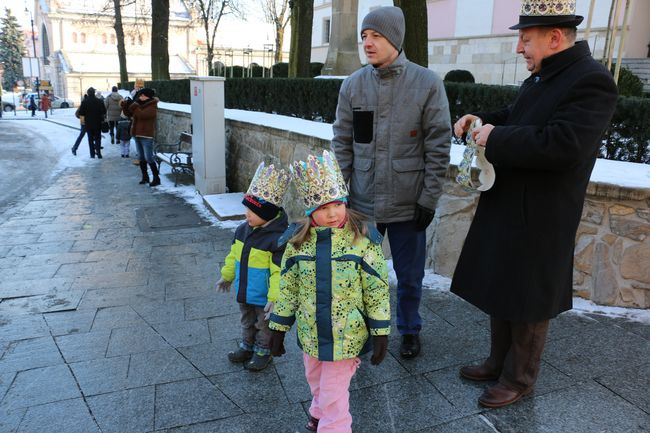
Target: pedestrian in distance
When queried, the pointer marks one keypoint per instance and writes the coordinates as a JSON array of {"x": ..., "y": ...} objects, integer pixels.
[
  {"x": 334, "y": 285},
  {"x": 392, "y": 137},
  {"x": 82, "y": 129},
  {"x": 517, "y": 261},
  {"x": 113, "y": 111},
  {"x": 124, "y": 136},
  {"x": 32, "y": 105},
  {"x": 143, "y": 112},
  {"x": 45, "y": 103},
  {"x": 94, "y": 111},
  {"x": 253, "y": 264}
]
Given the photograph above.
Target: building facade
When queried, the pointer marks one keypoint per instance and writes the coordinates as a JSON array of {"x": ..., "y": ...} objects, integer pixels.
[
  {"x": 474, "y": 35},
  {"x": 77, "y": 48}
]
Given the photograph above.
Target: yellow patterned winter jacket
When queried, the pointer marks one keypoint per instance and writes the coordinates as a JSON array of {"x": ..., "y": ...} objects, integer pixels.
[{"x": 336, "y": 292}]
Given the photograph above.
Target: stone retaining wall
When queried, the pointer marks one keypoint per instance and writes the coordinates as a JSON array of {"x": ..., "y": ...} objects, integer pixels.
[{"x": 612, "y": 256}]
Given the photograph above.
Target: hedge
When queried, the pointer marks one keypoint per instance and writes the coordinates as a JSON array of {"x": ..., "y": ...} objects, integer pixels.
[{"x": 627, "y": 139}]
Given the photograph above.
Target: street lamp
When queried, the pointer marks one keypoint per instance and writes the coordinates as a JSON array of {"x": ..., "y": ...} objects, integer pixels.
[{"x": 37, "y": 83}]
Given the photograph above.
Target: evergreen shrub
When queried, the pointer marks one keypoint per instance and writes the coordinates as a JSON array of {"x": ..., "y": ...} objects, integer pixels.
[{"x": 459, "y": 76}]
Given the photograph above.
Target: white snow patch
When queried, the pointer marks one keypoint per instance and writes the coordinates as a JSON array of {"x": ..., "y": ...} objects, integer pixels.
[{"x": 583, "y": 306}]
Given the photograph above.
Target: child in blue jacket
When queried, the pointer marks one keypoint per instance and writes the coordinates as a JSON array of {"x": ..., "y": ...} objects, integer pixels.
[{"x": 253, "y": 264}]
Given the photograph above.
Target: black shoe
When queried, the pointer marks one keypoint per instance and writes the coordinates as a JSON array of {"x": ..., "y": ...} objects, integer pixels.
[
  {"x": 112, "y": 140},
  {"x": 258, "y": 363},
  {"x": 99, "y": 156},
  {"x": 143, "y": 181},
  {"x": 240, "y": 355},
  {"x": 74, "y": 152},
  {"x": 101, "y": 147},
  {"x": 155, "y": 181},
  {"x": 410, "y": 347}
]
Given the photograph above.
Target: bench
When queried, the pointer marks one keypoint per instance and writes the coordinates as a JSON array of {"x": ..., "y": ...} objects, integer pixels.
[{"x": 173, "y": 155}]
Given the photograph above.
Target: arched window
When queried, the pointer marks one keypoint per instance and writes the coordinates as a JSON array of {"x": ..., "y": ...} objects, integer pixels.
[
  {"x": 112, "y": 39},
  {"x": 139, "y": 39},
  {"x": 74, "y": 37},
  {"x": 132, "y": 40},
  {"x": 83, "y": 38},
  {"x": 104, "y": 38}
]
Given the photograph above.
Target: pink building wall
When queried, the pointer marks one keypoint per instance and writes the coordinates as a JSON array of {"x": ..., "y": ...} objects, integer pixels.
[
  {"x": 441, "y": 18},
  {"x": 505, "y": 14}
]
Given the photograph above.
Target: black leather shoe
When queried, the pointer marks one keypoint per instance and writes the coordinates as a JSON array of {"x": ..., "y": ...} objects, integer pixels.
[{"x": 410, "y": 347}]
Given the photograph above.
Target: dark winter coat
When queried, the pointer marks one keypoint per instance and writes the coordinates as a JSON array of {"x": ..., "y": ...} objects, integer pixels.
[
  {"x": 123, "y": 130},
  {"x": 517, "y": 260},
  {"x": 93, "y": 110}
]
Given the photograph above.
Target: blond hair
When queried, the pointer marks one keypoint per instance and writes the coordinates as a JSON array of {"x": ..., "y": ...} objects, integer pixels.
[{"x": 356, "y": 222}]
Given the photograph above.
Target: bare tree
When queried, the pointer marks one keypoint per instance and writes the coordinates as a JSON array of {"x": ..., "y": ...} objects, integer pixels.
[
  {"x": 210, "y": 13},
  {"x": 119, "y": 36},
  {"x": 302, "y": 17},
  {"x": 160, "y": 40},
  {"x": 416, "y": 38},
  {"x": 277, "y": 12}
]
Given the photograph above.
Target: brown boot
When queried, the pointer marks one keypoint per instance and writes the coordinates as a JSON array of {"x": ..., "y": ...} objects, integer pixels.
[
  {"x": 500, "y": 395},
  {"x": 479, "y": 373}
]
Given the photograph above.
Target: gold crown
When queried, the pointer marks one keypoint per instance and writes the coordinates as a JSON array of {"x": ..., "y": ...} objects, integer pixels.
[
  {"x": 547, "y": 7},
  {"x": 319, "y": 180},
  {"x": 270, "y": 184}
]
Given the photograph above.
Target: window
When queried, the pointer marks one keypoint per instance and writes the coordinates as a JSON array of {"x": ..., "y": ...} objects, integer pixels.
[
  {"x": 326, "y": 30},
  {"x": 104, "y": 38},
  {"x": 132, "y": 40},
  {"x": 112, "y": 39},
  {"x": 139, "y": 39},
  {"x": 83, "y": 38},
  {"x": 74, "y": 37}
]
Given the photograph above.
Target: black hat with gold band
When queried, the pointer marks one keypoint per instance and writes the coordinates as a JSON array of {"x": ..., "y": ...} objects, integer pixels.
[{"x": 547, "y": 13}]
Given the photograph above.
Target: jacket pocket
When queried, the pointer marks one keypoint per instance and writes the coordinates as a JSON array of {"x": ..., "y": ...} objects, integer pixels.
[
  {"x": 362, "y": 126},
  {"x": 408, "y": 179},
  {"x": 355, "y": 334},
  {"x": 363, "y": 177}
]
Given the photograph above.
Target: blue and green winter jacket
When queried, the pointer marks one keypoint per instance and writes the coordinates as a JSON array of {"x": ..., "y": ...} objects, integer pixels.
[{"x": 253, "y": 264}]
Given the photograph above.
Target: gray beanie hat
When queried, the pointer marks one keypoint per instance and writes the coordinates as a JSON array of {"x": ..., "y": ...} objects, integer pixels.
[{"x": 389, "y": 21}]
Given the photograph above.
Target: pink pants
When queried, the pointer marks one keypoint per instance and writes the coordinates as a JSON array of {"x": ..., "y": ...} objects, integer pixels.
[{"x": 329, "y": 383}]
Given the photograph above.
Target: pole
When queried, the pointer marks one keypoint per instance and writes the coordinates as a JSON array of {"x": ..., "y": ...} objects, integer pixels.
[
  {"x": 612, "y": 40},
  {"x": 38, "y": 65},
  {"x": 589, "y": 17},
  {"x": 621, "y": 45}
]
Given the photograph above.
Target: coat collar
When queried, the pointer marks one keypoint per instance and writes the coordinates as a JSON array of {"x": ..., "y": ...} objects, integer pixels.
[
  {"x": 556, "y": 63},
  {"x": 392, "y": 70}
]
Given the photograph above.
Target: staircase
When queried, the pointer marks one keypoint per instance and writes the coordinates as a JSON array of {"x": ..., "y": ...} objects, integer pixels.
[{"x": 641, "y": 68}]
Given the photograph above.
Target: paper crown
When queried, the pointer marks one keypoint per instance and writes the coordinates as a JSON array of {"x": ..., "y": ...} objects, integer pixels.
[
  {"x": 561, "y": 13},
  {"x": 319, "y": 180},
  {"x": 269, "y": 183}
]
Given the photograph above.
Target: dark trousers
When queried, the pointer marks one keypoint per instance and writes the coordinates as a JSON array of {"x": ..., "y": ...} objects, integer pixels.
[
  {"x": 408, "y": 249},
  {"x": 82, "y": 132},
  {"x": 95, "y": 142},
  {"x": 516, "y": 351},
  {"x": 112, "y": 127}
]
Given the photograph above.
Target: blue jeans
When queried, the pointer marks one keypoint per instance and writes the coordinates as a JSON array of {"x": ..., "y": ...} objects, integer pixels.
[
  {"x": 408, "y": 248},
  {"x": 82, "y": 132},
  {"x": 144, "y": 146}
]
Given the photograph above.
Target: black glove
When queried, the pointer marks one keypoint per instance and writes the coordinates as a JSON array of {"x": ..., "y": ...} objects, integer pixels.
[
  {"x": 277, "y": 343},
  {"x": 380, "y": 347},
  {"x": 423, "y": 217}
]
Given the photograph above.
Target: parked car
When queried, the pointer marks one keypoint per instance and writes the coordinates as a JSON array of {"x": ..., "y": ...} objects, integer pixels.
[
  {"x": 59, "y": 102},
  {"x": 10, "y": 101}
]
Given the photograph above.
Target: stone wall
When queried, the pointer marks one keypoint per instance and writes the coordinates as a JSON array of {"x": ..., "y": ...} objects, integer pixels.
[{"x": 612, "y": 256}]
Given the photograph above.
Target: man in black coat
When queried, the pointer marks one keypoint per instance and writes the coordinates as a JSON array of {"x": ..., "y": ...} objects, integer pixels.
[
  {"x": 517, "y": 261},
  {"x": 94, "y": 111}
]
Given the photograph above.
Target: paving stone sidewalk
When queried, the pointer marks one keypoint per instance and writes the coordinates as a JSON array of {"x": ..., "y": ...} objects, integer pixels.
[{"x": 109, "y": 323}]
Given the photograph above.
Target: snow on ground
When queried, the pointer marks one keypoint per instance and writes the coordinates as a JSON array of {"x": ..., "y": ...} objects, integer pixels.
[{"x": 62, "y": 129}]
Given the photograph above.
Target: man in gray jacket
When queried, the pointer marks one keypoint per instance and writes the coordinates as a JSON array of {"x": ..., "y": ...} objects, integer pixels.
[{"x": 392, "y": 136}]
